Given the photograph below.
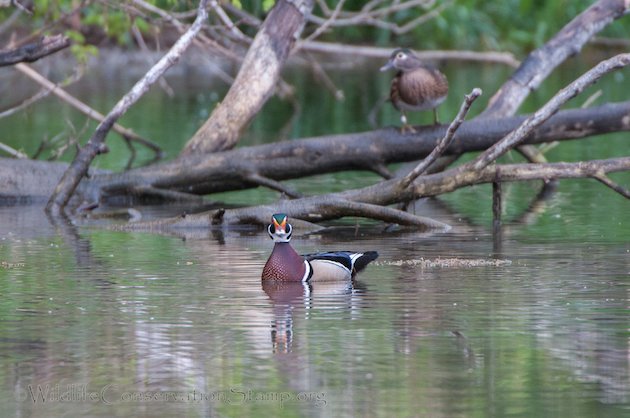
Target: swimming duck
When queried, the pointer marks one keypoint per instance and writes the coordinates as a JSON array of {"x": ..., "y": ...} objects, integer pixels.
[{"x": 284, "y": 264}]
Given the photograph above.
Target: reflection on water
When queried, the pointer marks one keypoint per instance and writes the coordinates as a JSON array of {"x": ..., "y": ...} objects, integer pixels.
[{"x": 98, "y": 323}]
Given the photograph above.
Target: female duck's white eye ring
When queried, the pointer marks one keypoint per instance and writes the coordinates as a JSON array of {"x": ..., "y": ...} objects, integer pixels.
[{"x": 401, "y": 55}]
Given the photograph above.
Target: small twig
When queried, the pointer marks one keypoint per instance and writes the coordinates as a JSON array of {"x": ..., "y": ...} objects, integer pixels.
[
  {"x": 603, "y": 178},
  {"x": 273, "y": 184},
  {"x": 591, "y": 99},
  {"x": 202, "y": 40},
  {"x": 79, "y": 167},
  {"x": 12, "y": 151},
  {"x": 549, "y": 109},
  {"x": 226, "y": 20},
  {"x": 135, "y": 31},
  {"x": 320, "y": 73},
  {"x": 82, "y": 107},
  {"x": 8, "y": 22},
  {"x": 44, "y": 92},
  {"x": 443, "y": 143},
  {"x": 21, "y": 7},
  {"x": 324, "y": 26}
]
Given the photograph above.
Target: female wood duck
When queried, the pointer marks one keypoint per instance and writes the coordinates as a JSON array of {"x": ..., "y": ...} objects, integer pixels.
[
  {"x": 284, "y": 264},
  {"x": 416, "y": 86}
]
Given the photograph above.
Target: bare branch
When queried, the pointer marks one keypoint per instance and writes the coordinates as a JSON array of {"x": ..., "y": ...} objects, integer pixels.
[
  {"x": 377, "y": 52},
  {"x": 603, "y": 178},
  {"x": 12, "y": 151},
  {"x": 324, "y": 26},
  {"x": 256, "y": 80},
  {"x": 362, "y": 202},
  {"x": 517, "y": 136},
  {"x": 541, "y": 62},
  {"x": 34, "y": 51},
  {"x": 443, "y": 144},
  {"x": 226, "y": 20},
  {"x": 82, "y": 107},
  {"x": 79, "y": 167}
]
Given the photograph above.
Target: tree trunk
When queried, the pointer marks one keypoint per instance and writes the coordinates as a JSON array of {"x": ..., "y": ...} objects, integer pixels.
[
  {"x": 250, "y": 166},
  {"x": 256, "y": 80}
]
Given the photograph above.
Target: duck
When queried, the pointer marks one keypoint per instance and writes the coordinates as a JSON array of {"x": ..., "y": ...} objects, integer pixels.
[
  {"x": 416, "y": 86},
  {"x": 286, "y": 265}
]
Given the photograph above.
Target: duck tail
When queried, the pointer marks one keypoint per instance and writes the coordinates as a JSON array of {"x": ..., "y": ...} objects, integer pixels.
[{"x": 363, "y": 260}]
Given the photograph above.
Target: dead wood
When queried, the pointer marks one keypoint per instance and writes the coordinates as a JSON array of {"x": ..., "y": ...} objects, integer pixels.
[
  {"x": 62, "y": 94},
  {"x": 504, "y": 58},
  {"x": 372, "y": 201},
  {"x": 240, "y": 168},
  {"x": 34, "y": 51},
  {"x": 96, "y": 144},
  {"x": 252, "y": 166},
  {"x": 542, "y": 61},
  {"x": 353, "y": 203},
  {"x": 256, "y": 80}
]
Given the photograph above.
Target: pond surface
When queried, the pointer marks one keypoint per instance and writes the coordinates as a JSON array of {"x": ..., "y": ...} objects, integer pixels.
[{"x": 100, "y": 323}]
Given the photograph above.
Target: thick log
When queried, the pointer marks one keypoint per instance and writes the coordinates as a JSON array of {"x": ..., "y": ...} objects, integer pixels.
[
  {"x": 238, "y": 168},
  {"x": 542, "y": 61},
  {"x": 256, "y": 80}
]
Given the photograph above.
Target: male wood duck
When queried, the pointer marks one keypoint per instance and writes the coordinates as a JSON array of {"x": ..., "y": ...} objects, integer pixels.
[
  {"x": 416, "y": 86},
  {"x": 284, "y": 264}
]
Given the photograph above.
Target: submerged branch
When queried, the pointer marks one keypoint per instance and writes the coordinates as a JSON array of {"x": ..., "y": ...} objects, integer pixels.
[{"x": 360, "y": 202}]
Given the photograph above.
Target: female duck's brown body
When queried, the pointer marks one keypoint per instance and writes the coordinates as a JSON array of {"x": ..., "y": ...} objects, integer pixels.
[{"x": 416, "y": 86}]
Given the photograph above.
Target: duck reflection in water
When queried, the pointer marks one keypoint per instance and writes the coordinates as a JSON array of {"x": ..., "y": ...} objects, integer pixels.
[{"x": 291, "y": 299}]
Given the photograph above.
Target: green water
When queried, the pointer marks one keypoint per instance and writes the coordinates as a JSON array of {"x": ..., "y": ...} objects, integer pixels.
[{"x": 100, "y": 323}]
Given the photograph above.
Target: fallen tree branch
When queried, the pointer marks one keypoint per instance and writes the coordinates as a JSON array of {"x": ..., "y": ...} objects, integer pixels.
[
  {"x": 542, "y": 61},
  {"x": 541, "y": 115},
  {"x": 34, "y": 51},
  {"x": 443, "y": 144},
  {"x": 79, "y": 167},
  {"x": 505, "y": 58},
  {"x": 55, "y": 89},
  {"x": 203, "y": 174},
  {"x": 256, "y": 79},
  {"x": 325, "y": 207},
  {"x": 223, "y": 171}
]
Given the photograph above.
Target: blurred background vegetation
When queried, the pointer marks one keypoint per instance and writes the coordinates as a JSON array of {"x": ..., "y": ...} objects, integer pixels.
[{"x": 517, "y": 26}]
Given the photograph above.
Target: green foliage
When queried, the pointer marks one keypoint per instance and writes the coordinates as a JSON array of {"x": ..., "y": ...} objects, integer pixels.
[
  {"x": 79, "y": 48},
  {"x": 510, "y": 25},
  {"x": 268, "y": 4}
]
